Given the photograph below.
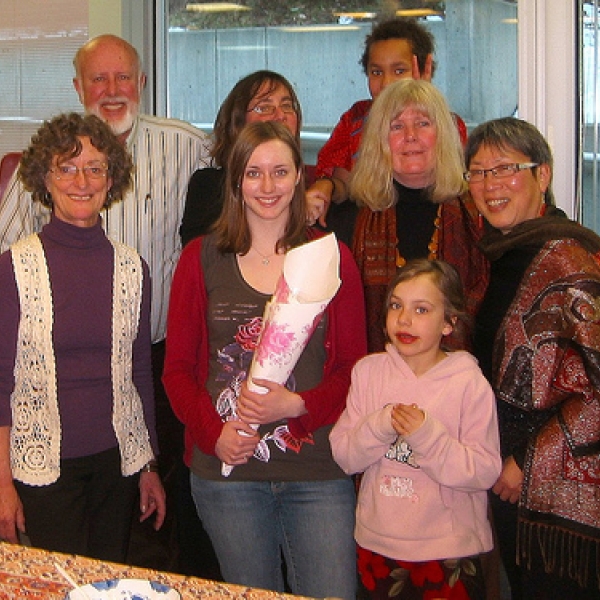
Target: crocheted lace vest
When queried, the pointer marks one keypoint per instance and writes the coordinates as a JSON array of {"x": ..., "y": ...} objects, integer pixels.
[{"x": 36, "y": 428}]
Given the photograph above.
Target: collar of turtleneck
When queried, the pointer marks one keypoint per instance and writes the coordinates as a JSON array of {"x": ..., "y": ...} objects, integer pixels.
[
  {"x": 406, "y": 194},
  {"x": 66, "y": 234}
]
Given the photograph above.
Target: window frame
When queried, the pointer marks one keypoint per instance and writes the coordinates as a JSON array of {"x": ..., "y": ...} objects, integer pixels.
[
  {"x": 547, "y": 50},
  {"x": 548, "y": 87}
]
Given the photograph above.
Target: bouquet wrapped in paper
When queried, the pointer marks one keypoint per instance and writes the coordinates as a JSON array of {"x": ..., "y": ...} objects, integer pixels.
[{"x": 309, "y": 281}]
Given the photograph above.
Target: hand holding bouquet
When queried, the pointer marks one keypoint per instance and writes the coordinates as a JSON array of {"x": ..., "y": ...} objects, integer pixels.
[{"x": 309, "y": 281}]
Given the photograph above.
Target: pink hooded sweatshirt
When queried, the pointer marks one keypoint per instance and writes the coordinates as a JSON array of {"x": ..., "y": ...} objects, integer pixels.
[{"x": 423, "y": 496}]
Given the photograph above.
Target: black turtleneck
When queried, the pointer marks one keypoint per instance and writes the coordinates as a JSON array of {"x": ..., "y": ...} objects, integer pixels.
[{"x": 415, "y": 221}]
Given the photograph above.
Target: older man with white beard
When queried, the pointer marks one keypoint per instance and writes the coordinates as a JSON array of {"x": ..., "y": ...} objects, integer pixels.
[{"x": 109, "y": 81}]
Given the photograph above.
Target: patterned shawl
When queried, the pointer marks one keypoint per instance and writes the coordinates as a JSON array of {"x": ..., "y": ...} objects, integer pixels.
[{"x": 547, "y": 359}]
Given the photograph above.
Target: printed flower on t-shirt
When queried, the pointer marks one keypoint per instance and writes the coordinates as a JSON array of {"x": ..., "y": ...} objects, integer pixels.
[
  {"x": 235, "y": 360},
  {"x": 248, "y": 334}
]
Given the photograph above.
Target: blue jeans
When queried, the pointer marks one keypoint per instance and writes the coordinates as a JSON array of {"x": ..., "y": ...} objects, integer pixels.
[{"x": 311, "y": 522}]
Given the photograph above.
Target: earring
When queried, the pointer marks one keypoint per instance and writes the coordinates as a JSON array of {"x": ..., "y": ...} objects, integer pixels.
[
  {"x": 48, "y": 198},
  {"x": 109, "y": 199}
]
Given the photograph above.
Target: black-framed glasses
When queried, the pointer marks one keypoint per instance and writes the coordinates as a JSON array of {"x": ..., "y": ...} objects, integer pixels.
[
  {"x": 478, "y": 175},
  {"x": 268, "y": 110},
  {"x": 70, "y": 172}
]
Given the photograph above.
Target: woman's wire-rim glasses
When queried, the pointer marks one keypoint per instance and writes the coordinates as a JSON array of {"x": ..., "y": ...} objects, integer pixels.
[
  {"x": 478, "y": 175},
  {"x": 70, "y": 172},
  {"x": 269, "y": 110}
]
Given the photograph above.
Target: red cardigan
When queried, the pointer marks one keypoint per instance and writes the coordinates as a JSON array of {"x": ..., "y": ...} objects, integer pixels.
[{"x": 187, "y": 351}]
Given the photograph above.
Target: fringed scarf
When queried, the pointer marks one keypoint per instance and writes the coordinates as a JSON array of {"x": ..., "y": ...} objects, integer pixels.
[{"x": 374, "y": 247}]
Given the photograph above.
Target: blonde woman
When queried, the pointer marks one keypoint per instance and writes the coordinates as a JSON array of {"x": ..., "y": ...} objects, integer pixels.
[{"x": 411, "y": 196}]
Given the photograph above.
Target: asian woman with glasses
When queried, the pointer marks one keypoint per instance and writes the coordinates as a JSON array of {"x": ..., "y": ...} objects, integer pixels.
[
  {"x": 537, "y": 338},
  {"x": 260, "y": 96}
]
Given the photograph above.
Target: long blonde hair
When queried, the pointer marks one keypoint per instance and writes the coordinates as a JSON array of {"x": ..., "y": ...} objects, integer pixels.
[{"x": 371, "y": 183}]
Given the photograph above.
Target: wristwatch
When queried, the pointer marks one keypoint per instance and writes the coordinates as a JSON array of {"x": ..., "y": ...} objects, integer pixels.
[{"x": 151, "y": 466}]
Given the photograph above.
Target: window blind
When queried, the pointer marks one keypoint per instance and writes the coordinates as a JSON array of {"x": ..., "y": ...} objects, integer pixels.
[{"x": 38, "y": 39}]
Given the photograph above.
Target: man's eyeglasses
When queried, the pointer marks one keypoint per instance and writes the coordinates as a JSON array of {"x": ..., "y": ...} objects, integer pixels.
[
  {"x": 478, "y": 175},
  {"x": 70, "y": 172},
  {"x": 268, "y": 110}
]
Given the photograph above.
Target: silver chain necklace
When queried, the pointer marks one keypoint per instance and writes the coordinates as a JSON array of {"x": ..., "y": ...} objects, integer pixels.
[{"x": 265, "y": 258}]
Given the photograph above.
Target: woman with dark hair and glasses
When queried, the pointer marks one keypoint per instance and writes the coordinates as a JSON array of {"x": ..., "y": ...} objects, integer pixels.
[
  {"x": 77, "y": 433},
  {"x": 537, "y": 338},
  {"x": 260, "y": 96}
]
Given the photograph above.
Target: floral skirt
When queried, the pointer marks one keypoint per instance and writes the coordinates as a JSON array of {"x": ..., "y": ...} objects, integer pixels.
[{"x": 453, "y": 578}]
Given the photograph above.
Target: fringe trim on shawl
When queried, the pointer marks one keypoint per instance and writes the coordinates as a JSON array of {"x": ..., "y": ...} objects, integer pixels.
[{"x": 564, "y": 553}]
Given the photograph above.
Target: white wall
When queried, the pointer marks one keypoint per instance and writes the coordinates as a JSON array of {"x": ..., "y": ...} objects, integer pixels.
[{"x": 548, "y": 86}]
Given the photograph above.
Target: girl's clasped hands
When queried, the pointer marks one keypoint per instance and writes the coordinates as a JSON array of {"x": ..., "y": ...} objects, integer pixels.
[{"x": 407, "y": 418}]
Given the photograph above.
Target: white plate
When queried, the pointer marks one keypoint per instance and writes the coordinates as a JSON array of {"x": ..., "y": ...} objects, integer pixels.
[{"x": 124, "y": 589}]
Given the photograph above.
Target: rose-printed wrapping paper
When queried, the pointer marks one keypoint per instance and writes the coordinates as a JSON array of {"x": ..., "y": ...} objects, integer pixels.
[{"x": 309, "y": 281}]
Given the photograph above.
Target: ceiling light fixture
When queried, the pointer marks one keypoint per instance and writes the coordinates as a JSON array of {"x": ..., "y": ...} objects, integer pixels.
[
  {"x": 312, "y": 28},
  {"x": 406, "y": 12},
  {"x": 355, "y": 15},
  {"x": 419, "y": 12},
  {"x": 215, "y": 7}
]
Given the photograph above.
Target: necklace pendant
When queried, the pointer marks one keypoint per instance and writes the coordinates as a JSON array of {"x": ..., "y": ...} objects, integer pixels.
[{"x": 265, "y": 261}]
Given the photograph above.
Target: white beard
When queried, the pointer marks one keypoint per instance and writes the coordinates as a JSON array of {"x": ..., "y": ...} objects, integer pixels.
[{"x": 124, "y": 124}]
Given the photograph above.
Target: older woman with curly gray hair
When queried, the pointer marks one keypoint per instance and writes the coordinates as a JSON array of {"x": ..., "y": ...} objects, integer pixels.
[
  {"x": 60, "y": 140},
  {"x": 77, "y": 430}
]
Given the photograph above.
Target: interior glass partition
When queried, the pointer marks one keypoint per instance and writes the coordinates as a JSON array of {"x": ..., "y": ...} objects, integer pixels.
[
  {"x": 317, "y": 45},
  {"x": 589, "y": 59}
]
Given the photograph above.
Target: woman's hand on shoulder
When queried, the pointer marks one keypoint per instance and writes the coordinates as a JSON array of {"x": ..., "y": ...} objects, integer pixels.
[
  {"x": 318, "y": 199},
  {"x": 508, "y": 485},
  {"x": 323, "y": 192},
  {"x": 276, "y": 404}
]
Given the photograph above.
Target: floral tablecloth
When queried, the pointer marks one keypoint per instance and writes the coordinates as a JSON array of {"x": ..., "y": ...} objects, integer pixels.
[{"x": 30, "y": 573}]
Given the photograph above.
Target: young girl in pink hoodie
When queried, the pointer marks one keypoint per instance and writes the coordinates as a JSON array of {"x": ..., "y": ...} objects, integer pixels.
[{"x": 421, "y": 424}]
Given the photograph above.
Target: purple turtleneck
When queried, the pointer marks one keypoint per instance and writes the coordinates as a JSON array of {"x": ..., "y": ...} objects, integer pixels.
[{"x": 80, "y": 263}]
